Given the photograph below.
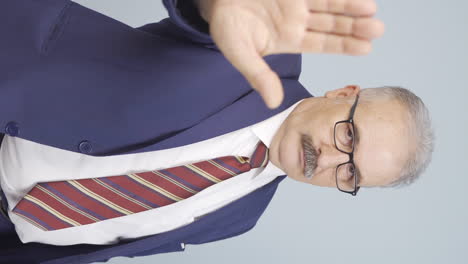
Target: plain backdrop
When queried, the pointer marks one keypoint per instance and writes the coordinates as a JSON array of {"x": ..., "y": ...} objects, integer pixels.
[{"x": 423, "y": 49}]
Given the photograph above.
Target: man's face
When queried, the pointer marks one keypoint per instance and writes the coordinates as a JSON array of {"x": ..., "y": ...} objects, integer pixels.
[{"x": 305, "y": 141}]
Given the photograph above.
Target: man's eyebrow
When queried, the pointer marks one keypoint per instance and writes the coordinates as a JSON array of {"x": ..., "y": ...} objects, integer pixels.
[
  {"x": 356, "y": 146},
  {"x": 356, "y": 136}
]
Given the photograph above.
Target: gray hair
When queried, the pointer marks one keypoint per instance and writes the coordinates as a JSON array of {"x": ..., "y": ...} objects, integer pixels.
[{"x": 420, "y": 128}]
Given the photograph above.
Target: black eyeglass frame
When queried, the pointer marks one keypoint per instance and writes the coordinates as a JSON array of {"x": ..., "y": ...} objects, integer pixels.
[{"x": 350, "y": 154}]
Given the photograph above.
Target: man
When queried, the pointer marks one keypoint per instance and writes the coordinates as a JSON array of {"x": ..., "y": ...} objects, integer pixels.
[{"x": 86, "y": 97}]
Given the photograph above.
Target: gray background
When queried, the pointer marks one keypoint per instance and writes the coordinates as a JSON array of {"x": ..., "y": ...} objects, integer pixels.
[{"x": 424, "y": 49}]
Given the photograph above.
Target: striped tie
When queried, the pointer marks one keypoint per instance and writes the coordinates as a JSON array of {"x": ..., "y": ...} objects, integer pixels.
[{"x": 64, "y": 204}]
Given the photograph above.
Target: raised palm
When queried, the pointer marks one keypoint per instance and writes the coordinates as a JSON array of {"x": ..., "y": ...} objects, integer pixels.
[{"x": 247, "y": 30}]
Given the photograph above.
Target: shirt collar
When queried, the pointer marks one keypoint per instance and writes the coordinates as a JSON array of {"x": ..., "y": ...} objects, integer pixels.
[{"x": 266, "y": 129}]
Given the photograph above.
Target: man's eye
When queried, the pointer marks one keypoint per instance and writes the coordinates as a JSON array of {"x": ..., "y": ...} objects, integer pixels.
[
  {"x": 350, "y": 172},
  {"x": 347, "y": 172},
  {"x": 349, "y": 135}
]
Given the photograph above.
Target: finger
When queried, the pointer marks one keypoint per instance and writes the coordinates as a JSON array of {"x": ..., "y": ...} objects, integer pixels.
[
  {"x": 348, "y": 7},
  {"x": 259, "y": 75},
  {"x": 367, "y": 28},
  {"x": 318, "y": 42}
]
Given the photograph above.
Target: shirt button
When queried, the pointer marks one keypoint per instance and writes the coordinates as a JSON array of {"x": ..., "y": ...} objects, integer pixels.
[
  {"x": 85, "y": 147},
  {"x": 12, "y": 129}
]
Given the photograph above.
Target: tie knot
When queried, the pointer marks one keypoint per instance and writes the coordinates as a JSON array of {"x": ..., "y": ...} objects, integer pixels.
[{"x": 260, "y": 156}]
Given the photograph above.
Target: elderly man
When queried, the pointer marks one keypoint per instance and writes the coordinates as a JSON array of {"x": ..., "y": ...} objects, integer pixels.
[{"x": 127, "y": 141}]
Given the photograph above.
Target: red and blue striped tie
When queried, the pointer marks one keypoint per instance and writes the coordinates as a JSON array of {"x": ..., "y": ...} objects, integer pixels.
[{"x": 64, "y": 204}]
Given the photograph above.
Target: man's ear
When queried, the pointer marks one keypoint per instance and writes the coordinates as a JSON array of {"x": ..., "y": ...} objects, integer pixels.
[{"x": 350, "y": 90}]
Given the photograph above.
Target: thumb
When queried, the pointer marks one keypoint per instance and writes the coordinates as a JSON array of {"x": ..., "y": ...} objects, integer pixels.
[{"x": 259, "y": 75}]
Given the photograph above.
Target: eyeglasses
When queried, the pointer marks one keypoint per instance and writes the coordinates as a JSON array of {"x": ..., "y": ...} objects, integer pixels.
[{"x": 344, "y": 136}]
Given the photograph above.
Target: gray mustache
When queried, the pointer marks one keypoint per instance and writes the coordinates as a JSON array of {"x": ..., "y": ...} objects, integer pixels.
[{"x": 310, "y": 156}]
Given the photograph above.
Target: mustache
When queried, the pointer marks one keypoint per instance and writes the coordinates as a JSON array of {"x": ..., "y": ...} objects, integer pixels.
[{"x": 310, "y": 156}]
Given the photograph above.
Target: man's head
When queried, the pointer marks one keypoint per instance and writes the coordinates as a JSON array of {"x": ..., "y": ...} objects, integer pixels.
[{"x": 392, "y": 141}]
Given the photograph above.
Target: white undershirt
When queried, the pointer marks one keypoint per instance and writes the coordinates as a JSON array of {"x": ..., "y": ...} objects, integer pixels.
[{"x": 25, "y": 163}]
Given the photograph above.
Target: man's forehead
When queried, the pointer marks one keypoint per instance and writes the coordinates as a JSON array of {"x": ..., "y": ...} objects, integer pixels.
[
  {"x": 378, "y": 166},
  {"x": 382, "y": 148},
  {"x": 387, "y": 109}
]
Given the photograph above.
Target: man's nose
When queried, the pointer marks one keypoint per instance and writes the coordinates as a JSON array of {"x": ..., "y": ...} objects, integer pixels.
[{"x": 330, "y": 157}]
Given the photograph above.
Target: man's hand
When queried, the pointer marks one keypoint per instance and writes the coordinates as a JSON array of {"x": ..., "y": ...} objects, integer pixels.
[{"x": 247, "y": 30}]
